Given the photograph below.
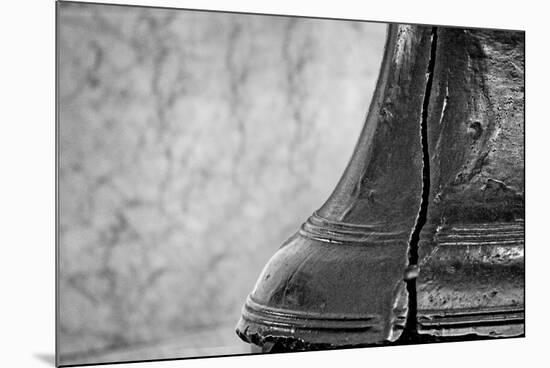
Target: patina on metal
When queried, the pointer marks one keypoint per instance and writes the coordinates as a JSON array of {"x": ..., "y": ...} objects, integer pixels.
[
  {"x": 434, "y": 191},
  {"x": 472, "y": 246}
]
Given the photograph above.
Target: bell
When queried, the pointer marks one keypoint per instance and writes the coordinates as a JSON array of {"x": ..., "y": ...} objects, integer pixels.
[
  {"x": 348, "y": 277},
  {"x": 339, "y": 281},
  {"x": 471, "y": 248}
]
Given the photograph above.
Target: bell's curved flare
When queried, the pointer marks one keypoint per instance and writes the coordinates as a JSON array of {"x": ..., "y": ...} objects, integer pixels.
[
  {"x": 424, "y": 231},
  {"x": 339, "y": 280},
  {"x": 471, "y": 249}
]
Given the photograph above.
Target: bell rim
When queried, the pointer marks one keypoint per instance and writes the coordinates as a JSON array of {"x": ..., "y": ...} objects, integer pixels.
[
  {"x": 501, "y": 321},
  {"x": 310, "y": 319},
  {"x": 310, "y": 330}
]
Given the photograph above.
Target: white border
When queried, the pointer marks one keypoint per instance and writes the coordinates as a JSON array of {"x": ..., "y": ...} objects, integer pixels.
[
  {"x": 464, "y": 13},
  {"x": 27, "y": 184}
]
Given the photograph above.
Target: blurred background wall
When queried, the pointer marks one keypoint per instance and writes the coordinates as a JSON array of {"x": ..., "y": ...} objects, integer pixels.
[{"x": 191, "y": 145}]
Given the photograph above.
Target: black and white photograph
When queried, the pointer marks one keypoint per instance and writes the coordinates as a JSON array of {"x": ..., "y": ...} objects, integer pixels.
[
  {"x": 261, "y": 186},
  {"x": 234, "y": 183}
]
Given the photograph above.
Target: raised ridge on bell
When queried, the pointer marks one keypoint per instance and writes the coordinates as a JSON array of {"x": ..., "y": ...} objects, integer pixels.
[
  {"x": 496, "y": 321},
  {"x": 331, "y": 231}
]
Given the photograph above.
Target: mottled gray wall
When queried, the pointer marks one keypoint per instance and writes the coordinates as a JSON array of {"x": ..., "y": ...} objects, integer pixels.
[{"x": 192, "y": 145}]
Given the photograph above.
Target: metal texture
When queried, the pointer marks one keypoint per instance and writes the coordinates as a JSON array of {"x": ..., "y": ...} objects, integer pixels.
[
  {"x": 434, "y": 190},
  {"x": 472, "y": 246}
]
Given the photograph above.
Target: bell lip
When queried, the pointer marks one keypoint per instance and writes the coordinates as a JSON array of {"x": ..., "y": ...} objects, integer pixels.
[
  {"x": 502, "y": 321},
  {"x": 255, "y": 311},
  {"x": 312, "y": 330}
]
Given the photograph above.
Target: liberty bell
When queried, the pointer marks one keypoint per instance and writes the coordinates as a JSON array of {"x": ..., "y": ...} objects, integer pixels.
[{"x": 423, "y": 234}]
